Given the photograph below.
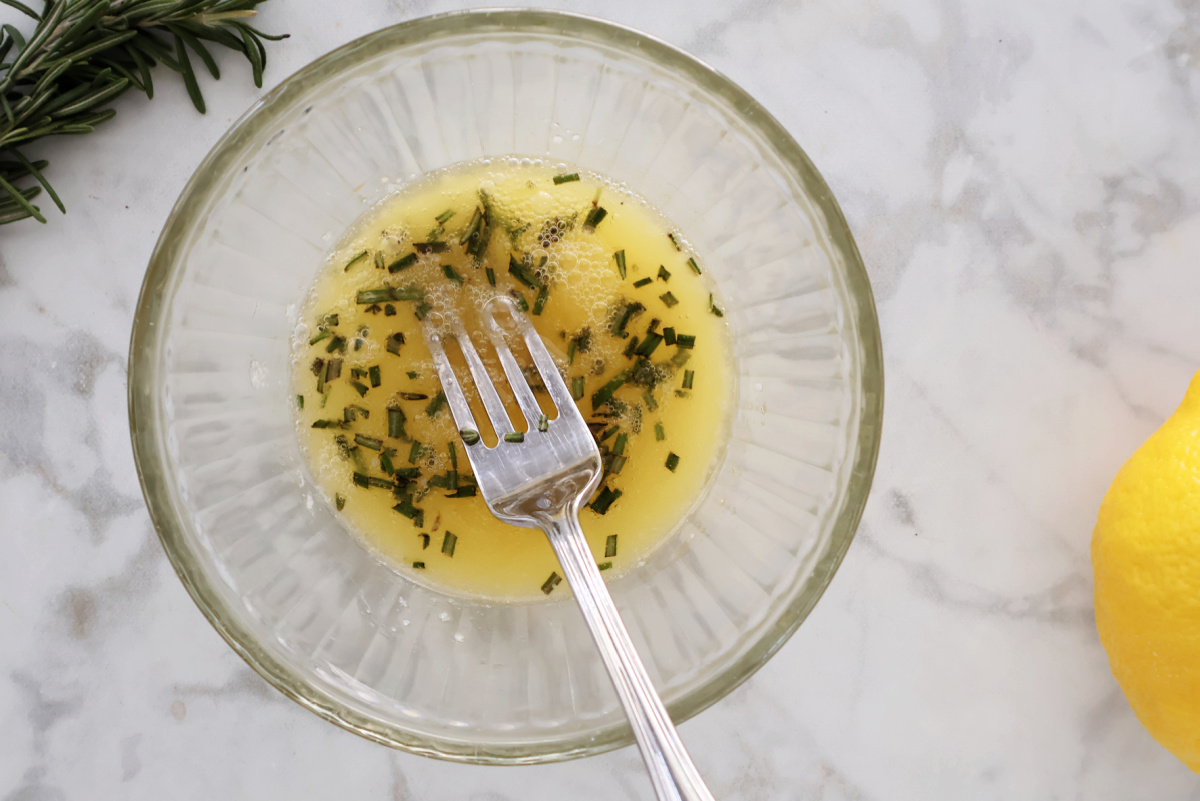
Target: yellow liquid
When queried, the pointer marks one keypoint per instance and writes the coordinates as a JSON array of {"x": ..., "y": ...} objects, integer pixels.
[{"x": 543, "y": 223}]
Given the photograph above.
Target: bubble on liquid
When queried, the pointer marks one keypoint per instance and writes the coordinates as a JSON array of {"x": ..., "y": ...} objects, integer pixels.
[
  {"x": 444, "y": 617},
  {"x": 459, "y": 638},
  {"x": 259, "y": 374}
]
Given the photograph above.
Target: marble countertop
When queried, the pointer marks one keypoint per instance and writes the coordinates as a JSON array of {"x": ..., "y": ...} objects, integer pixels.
[{"x": 1024, "y": 182}]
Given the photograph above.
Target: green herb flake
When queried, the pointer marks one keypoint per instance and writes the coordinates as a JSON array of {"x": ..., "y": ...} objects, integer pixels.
[
  {"x": 402, "y": 263},
  {"x": 686, "y": 341},
  {"x": 321, "y": 334},
  {"x": 695, "y": 267},
  {"x": 453, "y": 450},
  {"x": 649, "y": 345},
  {"x": 663, "y": 273},
  {"x": 373, "y": 372},
  {"x": 448, "y": 271},
  {"x": 469, "y": 435},
  {"x": 668, "y": 299},
  {"x": 539, "y": 304},
  {"x": 712, "y": 307},
  {"x": 368, "y": 442},
  {"x": 414, "y": 453},
  {"x": 594, "y": 218},
  {"x": 610, "y": 546},
  {"x": 385, "y": 461},
  {"x": 672, "y": 462},
  {"x": 355, "y": 260},
  {"x": 339, "y": 501},
  {"x": 413, "y": 396},
  {"x": 604, "y": 500},
  {"x": 669, "y": 336},
  {"x": 361, "y": 479},
  {"x": 675, "y": 241},
  {"x": 396, "y": 423},
  {"x": 617, "y": 465},
  {"x": 604, "y": 395},
  {"x": 419, "y": 565},
  {"x": 659, "y": 432},
  {"x": 514, "y": 436},
  {"x": 394, "y": 342},
  {"x": 436, "y": 405},
  {"x": 448, "y": 544},
  {"x": 523, "y": 274},
  {"x": 491, "y": 276},
  {"x": 620, "y": 258},
  {"x": 552, "y": 582},
  {"x": 566, "y": 179},
  {"x": 619, "y": 445},
  {"x": 604, "y": 566},
  {"x": 688, "y": 377},
  {"x": 359, "y": 387},
  {"x": 299, "y": 401},
  {"x": 641, "y": 282},
  {"x": 424, "y": 541},
  {"x": 444, "y": 217},
  {"x": 543, "y": 423},
  {"x": 577, "y": 387},
  {"x": 430, "y": 247},
  {"x": 519, "y": 299},
  {"x": 464, "y": 491},
  {"x": 648, "y": 399}
]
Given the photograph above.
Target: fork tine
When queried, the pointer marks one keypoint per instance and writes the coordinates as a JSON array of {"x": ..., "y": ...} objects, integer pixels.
[
  {"x": 460, "y": 410},
  {"x": 483, "y": 382},
  {"x": 553, "y": 380},
  {"x": 516, "y": 378}
]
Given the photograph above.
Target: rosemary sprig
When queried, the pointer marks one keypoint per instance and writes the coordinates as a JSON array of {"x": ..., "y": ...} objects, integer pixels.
[{"x": 83, "y": 54}]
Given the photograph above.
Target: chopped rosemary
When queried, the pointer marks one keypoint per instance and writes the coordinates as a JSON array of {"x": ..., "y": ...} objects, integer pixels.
[
  {"x": 430, "y": 247},
  {"x": 448, "y": 271},
  {"x": 436, "y": 405},
  {"x": 618, "y": 446},
  {"x": 359, "y": 257},
  {"x": 712, "y": 307},
  {"x": 514, "y": 436},
  {"x": 359, "y": 387},
  {"x": 663, "y": 273},
  {"x": 668, "y": 299},
  {"x": 394, "y": 342},
  {"x": 577, "y": 387},
  {"x": 448, "y": 543},
  {"x": 688, "y": 377},
  {"x": 413, "y": 396},
  {"x": 469, "y": 435},
  {"x": 339, "y": 501},
  {"x": 687, "y": 341},
  {"x": 373, "y": 372},
  {"x": 543, "y": 423},
  {"x": 594, "y": 218},
  {"x": 419, "y": 565},
  {"x": 402, "y": 263},
  {"x": 566, "y": 179},
  {"x": 604, "y": 500},
  {"x": 368, "y": 442},
  {"x": 424, "y": 541},
  {"x": 551, "y": 583},
  {"x": 672, "y": 462},
  {"x": 641, "y": 282},
  {"x": 695, "y": 267},
  {"x": 444, "y": 217},
  {"x": 396, "y": 422},
  {"x": 610, "y": 546},
  {"x": 604, "y": 566},
  {"x": 659, "y": 433},
  {"x": 675, "y": 241}
]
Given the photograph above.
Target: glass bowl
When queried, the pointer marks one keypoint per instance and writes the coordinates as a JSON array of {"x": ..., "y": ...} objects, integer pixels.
[{"x": 270, "y": 564}]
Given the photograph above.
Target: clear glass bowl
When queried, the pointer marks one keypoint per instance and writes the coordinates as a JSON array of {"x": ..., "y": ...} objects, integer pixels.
[{"x": 269, "y": 563}]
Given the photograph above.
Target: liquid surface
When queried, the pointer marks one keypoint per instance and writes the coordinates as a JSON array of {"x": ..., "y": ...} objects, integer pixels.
[{"x": 619, "y": 301}]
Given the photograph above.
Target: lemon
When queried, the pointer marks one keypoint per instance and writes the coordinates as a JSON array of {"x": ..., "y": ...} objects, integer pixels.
[{"x": 1146, "y": 560}]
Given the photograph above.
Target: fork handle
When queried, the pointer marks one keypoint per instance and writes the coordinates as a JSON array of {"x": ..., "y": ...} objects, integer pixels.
[{"x": 671, "y": 769}]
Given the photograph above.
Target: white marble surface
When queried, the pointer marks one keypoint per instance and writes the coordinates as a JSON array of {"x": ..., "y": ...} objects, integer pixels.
[{"x": 1024, "y": 182}]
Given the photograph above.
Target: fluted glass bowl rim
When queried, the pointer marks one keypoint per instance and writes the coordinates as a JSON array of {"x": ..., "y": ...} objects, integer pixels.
[{"x": 148, "y": 336}]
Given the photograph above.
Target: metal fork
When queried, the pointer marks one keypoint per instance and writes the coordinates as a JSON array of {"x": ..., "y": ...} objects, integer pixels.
[{"x": 540, "y": 482}]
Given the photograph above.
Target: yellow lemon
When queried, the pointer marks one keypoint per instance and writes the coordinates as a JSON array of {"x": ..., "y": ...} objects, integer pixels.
[{"x": 1146, "y": 559}]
